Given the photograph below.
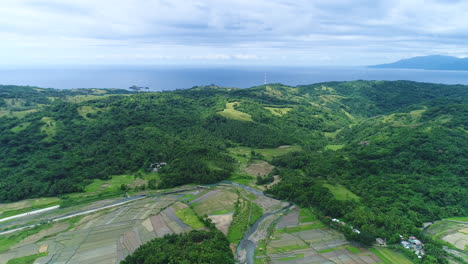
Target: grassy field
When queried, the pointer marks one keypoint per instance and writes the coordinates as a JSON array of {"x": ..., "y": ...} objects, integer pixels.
[
  {"x": 243, "y": 154},
  {"x": 221, "y": 212},
  {"x": 188, "y": 216},
  {"x": 20, "y": 127},
  {"x": 232, "y": 113},
  {"x": 300, "y": 228},
  {"x": 83, "y": 98},
  {"x": 350, "y": 116},
  {"x": 241, "y": 178},
  {"x": 85, "y": 110},
  {"x": 81, "y": 199},
  {"x": 285, "y": 249},
  {"x": 334, "y": 147},
  {"x": 260, "y": 250},
  {"x": 24, "y": 206},
  {"x": 245, "y": 215},
  {"x": 215, "y": 203},
  {"x": 10, "y": 240},
  {"x": 110, "y": 185},
  {"x": 389, "y": 256},
  {"x": 461, "y": 218},
  {"x": 18, "y": 114},
  {"x": 49, "y": 128},
  {"x": 188, "y": 197},
  {"x": 341, "y": 193},
  {"x": 279, "y": 111},
  {"x": 27, "y": 259},
  {"x": 331, "y": 249},
  {"x": 306, "y": 216},
  {"x": 332, "y": 134},
  {"x": 351, "y": 249},
  {"x": 297, "y": 256},
  {"x": 404, "y": 119}
]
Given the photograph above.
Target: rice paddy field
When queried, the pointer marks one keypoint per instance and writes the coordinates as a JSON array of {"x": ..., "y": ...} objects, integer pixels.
[
  {"x": 298, "y": 237},
  {"x": 105, "y": 236},
  {"x": 109, "y": 235},
  {"x": 453, "y": 231}
]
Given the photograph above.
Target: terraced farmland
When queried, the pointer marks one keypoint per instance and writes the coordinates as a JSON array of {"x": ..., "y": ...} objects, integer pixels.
[
  {"x": 284, "y": 234},
  {"x": 294, "y": 240},
  {"x": 103, "y": 237},
  {"x": 109, "y": 235},
  {"x": 453, "y": 232}
]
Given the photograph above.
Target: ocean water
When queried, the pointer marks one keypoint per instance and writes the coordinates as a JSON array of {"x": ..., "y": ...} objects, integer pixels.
[{"x": 171, "y": 78}]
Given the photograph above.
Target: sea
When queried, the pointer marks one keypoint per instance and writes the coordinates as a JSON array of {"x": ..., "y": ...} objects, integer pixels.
[{"x": 163, "y": 78}]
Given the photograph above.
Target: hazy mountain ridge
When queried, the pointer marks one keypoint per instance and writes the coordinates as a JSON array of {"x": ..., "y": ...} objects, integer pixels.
[{"x": 432, "y": 62}]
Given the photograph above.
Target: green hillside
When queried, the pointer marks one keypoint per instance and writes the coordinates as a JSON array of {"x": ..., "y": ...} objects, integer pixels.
[{"x": 385, "y": 156}]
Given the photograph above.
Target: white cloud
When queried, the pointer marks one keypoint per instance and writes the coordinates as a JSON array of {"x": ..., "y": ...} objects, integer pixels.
[{"x": 260, "y": 31}]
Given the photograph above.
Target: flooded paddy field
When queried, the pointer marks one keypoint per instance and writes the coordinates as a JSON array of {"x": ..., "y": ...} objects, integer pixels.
[
  {"x": 109, "y": 235},
  {"x": 454, "y": 232},
  {"x": 282, "y": 233},
  {"x": 297, "y": 237}
]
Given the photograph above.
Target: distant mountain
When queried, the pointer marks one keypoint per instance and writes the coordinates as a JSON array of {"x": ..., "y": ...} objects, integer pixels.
[{"x": 434, "y": 62}]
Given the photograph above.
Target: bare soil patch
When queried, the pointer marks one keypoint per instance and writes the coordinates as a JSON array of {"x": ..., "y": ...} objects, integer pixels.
[
  {"x": 43, "y": 248},
  {"x": 57, "y": 228},
  {"x": 215, "y": 201},
  {"x": 259, "y": 168},
  {"x": 222, "y": 222}
]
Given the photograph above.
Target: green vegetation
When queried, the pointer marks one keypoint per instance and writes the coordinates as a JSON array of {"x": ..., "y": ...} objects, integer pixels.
[
  {"x": 285, "y": 249},
  {"x": 188, "y": 197},
  {"x": 24, "y": 210},
  {"x": 334, "y": 147},
  {"x": 306, "y": 215},
  {"x": 245, "y": 215},
  {"x": 111, "y": 185},
  {"x": 221, "y": 212},
  {"x": 297, "y": 256},
  {"x": 241, "y": 178},
  {"x": 331, "y": 249},
  {"x": 27, "y": 259},
  {"x": 77, "y": 199},
  {"x": 353, "y": 249},
  {"x": 341, "y": 193},
  {"x": 20, "y": 127},
  {"x": 279, "y": 111},
  {"x": 8, "y": 241},
  {"x": 260, "y": 250},
  {"x": 300, "y": 228},
  {"x": 243, "y": 154},
  {"x": 461, "y": 218},
  {"x": 194, "y": 247},
  {"x": 389, "y": 256},
  {"x": 398, "y": 159},
  {"x": 231, "y": 113},
  {"x": 188, "y": 216}
]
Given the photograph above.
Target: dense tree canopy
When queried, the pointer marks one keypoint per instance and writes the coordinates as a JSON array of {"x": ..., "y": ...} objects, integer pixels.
[{"x": 195, "y": 247}]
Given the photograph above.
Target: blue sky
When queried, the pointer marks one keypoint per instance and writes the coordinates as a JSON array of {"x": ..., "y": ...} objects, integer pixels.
[{"x": 229, "y": 32}]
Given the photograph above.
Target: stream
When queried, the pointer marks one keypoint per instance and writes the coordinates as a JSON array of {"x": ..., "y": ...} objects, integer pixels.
[{"x": 246, "y": 244}]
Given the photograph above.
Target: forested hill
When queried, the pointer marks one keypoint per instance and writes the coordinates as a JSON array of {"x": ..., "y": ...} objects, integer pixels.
[
  {"x": 432, "y": 62},
  {"x": 399, "y": 146}
]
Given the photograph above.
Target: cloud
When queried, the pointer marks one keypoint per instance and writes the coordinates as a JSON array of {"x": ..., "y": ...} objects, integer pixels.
[{"x": 230, "y": 31}]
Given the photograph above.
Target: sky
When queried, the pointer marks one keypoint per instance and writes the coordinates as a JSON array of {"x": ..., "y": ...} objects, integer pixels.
[{"x": 229, "y": 32}]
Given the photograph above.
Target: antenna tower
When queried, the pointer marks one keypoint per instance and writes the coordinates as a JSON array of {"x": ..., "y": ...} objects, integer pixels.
[{"x": 265, "y": 79}]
